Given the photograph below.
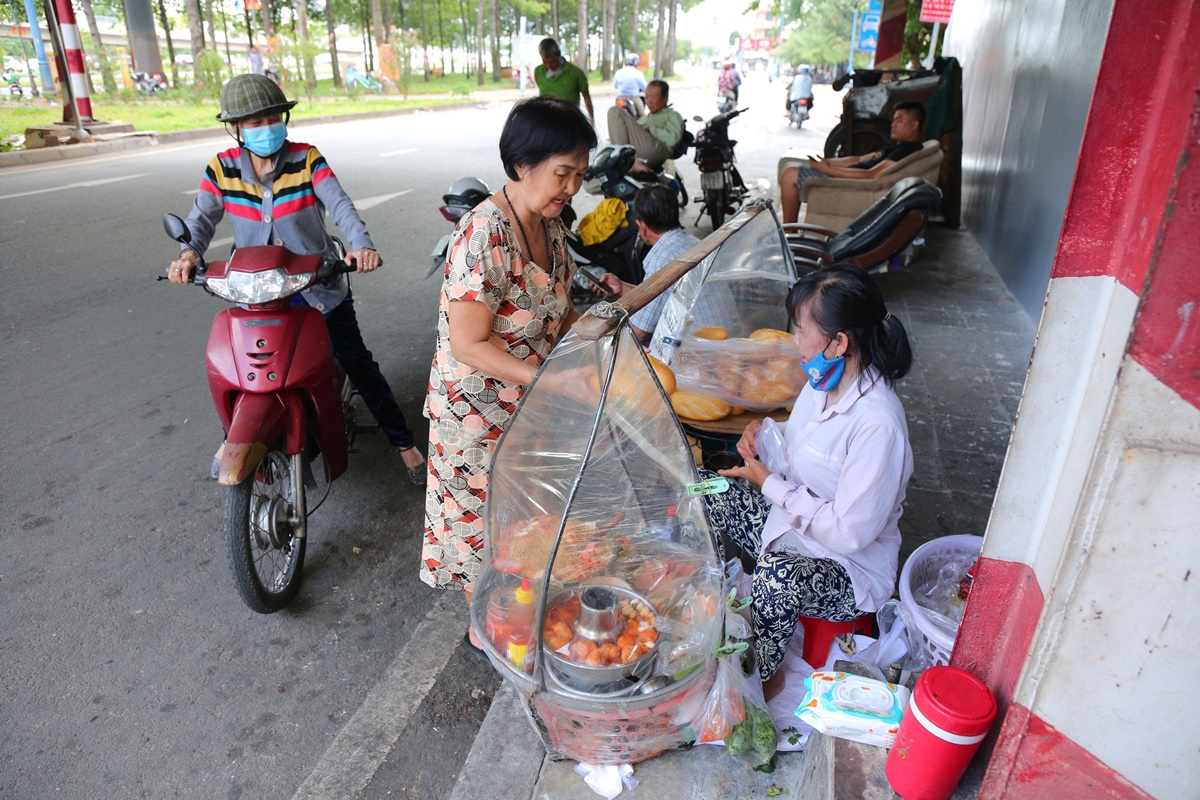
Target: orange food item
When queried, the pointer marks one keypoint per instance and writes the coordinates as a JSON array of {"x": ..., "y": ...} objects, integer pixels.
[
  {"x": 525, "y": 549},
  {"x": 714, "y": 332},
  {"x": 580, "y": 650},
  {"x": 770, "y": 335},
  {"x": 665, "y": 376},
  {"x": 699, "y": 407}
]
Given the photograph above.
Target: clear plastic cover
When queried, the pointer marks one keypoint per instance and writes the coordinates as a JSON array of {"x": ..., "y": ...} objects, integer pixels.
[
  {"x": 739, "y": 294},
  {"x": 742, "y": 287},
  {"x": 588, "y": 504}
]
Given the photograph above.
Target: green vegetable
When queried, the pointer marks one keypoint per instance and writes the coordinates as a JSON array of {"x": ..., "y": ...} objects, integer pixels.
[
  {"x": 740, "y": 739},
  {"x": 766, "y": 737}
]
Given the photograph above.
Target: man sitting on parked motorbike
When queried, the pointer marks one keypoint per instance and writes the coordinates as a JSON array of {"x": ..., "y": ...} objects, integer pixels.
[
  {"x": 276, "y": 192},
  {"x": 655, "y": 135},
  {"x": 908, "y": 124},
  {"x": 630, "y": 82},
  {"x": 658, "y": 225}
]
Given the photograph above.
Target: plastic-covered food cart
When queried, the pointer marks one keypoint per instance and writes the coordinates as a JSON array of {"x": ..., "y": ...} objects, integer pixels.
[{"x": 600, "y": 596}]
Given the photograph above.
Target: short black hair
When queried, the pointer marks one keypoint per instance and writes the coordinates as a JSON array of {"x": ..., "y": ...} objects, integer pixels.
[
  {"x": 541, "y": 127},
  {"x": 662, "y": 87},
  {"x": 548, "y": 47},
  {"x": 914, "y": 110},
  {"x": 656, "y": 206},
  {"x": 842, "y": 298}
]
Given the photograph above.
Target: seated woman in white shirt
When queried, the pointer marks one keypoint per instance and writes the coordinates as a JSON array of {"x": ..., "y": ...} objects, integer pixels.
[{"x": 823, "y": 533}]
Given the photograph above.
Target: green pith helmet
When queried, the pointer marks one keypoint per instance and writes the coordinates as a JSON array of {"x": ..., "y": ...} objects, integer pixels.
[{"x": 246, "y": 96}]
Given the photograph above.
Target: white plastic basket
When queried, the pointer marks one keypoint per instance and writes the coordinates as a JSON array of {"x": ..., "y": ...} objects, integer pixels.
[{"x": 920, "y": 568}]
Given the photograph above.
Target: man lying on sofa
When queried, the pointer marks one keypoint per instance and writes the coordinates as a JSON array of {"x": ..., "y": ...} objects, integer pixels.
[{"x": 908, "y": 124}]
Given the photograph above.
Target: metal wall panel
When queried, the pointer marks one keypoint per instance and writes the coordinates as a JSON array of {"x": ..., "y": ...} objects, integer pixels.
[{"x": 1029, "y": 68}]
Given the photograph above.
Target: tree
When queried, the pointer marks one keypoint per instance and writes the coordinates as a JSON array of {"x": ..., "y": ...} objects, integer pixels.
[
  {"x": 162, "y": 13},
  {"x": 495, "y": 7},
  {"x": 377, "y": 21},
  {"x": 659, "y": 39},
  {"x": 195, "y": 28},
  {"x": 581, "y": 45},
  {"x": 110, "y": 85},
  {"x": 307, "y": 52},
  {"x": 669, "y": 60},
  {"x": 479, "y": 43},
  {"x": 331, "y": 28}
]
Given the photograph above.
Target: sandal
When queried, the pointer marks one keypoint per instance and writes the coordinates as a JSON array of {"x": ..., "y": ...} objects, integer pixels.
[
  {"x": 475, "y": 650},
  {"x": 417, "y": 474}
]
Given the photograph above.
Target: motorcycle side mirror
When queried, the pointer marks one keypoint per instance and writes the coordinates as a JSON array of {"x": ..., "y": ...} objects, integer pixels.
[{"x": 176, "y": 228}]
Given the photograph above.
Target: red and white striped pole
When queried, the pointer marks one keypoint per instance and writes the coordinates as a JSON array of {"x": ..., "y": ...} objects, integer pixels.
[{"x": 76, "y": 70}]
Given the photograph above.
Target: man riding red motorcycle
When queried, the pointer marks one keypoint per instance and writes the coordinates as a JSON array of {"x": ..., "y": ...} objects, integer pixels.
[{"x": 275, "y": 192}]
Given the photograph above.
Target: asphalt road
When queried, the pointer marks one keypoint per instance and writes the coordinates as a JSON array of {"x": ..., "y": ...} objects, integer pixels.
[{"x": 131, "y": 667}]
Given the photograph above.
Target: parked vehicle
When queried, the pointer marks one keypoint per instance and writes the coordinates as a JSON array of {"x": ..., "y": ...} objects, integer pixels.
[
  {"x": 148, "y": 84},
  {"x": 722, "y": 187},
  {"x": 631, "y": 103},
  {"x": 726, "y": 101},
  {"x": 281, "y": 400}
]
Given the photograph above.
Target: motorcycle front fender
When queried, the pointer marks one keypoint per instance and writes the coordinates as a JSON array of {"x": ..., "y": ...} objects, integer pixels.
[{"x": 258, "y": 421}]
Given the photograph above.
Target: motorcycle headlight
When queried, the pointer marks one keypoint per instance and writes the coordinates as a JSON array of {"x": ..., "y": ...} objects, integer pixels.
[{"x": 253, "y": 288}]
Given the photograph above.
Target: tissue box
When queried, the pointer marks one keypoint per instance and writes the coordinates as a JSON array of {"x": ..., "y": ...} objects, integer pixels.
[{"x": 849, "y": 707}]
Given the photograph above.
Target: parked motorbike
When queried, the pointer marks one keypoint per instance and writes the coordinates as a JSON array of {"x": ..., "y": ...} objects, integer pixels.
[
  {"x": 592, "y": 262},
  {"x": 280, "y": 399},
  {"x": 726, "y": 102},
  {"x": 722, "y": 187},
  {"x": 147, "y": 83},
  {"x": 631, "y": 103},
  {"x": 799, "y": 112}
]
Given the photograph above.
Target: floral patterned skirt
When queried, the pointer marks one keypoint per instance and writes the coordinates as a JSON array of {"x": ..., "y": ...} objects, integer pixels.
[
  {"x": 455, "y": 498},
  {"x": 785, "y": 586}
]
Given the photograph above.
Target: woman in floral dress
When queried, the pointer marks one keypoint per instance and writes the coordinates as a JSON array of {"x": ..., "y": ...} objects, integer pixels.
[{"x": 504, "y": 304}]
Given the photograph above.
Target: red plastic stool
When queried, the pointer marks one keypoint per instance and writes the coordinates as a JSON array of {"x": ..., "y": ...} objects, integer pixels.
[{"x": 819, "y": 634}]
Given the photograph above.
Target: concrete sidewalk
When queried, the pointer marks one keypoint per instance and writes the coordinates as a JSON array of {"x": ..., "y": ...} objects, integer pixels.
[{"x": 972, "y": 343}]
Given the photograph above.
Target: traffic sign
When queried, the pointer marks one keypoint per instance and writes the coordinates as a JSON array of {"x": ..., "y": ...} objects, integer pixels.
[
  {"x": 875, "y": 7},
  {"x": 936, "y": 10},
  {"x": 868, "y": 31}
]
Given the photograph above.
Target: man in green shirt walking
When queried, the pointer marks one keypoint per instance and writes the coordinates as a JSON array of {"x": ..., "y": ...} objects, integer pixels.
[
  {"x": 655, "y": 135},
  {"x": 557, "y": 77}
]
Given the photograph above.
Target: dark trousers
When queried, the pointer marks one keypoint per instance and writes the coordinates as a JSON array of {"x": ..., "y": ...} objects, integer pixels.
[{"x": 354, "y": 357}]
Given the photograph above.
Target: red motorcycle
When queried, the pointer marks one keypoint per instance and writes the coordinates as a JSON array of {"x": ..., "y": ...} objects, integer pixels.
[{"x": 281, "y": 399}]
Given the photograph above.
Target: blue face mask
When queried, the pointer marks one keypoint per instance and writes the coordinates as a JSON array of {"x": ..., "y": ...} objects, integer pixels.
[
  {"x": 265, "y": 140},
  {"x": 824, "y": 373}
]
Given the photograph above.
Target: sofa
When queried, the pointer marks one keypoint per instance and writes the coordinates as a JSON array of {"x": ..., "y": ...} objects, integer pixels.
[{"x": 834, "y": 202}]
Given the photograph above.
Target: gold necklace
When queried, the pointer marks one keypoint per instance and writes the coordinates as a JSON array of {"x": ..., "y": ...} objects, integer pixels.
[{"x": 521, "y": 228}]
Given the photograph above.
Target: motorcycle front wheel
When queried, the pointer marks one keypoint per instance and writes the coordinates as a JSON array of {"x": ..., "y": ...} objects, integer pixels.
[
  {"x": 265, "y": 557},
  {"x": 714, "y": 202}
]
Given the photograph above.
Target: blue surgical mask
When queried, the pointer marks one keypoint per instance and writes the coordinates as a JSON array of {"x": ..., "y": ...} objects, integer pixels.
[
  {"x": 824, "y": 373},
  {"x": 265, "y": 140}
]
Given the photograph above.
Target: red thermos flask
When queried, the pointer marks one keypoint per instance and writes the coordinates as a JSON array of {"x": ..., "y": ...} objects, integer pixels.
[{"x": 948, "y": 716}]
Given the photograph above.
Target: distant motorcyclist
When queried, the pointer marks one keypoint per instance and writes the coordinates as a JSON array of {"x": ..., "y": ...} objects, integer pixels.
[
  {"x": 630, "y": 82},
  {"x": 729, "y": 80},
  {"x": 802, "y": 84}
]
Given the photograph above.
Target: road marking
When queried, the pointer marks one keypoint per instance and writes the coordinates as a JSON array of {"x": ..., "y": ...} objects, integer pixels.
[
  {"x": 219, "y": 242},
  {"x": 398, "y": 152},
  {"x": 371, "y": 202},
  {"x": 192, "y": 191},
  {"x": 356, "y": 753},
  {"x": 78, "y": 185},
  {"x": 141, "y": 152}
]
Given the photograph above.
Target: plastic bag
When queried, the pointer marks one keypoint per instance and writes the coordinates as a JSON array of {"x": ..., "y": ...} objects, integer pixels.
[
  {"x": 723, "y": 709},
  {"x": 945, "y": 595},
  {"x": 746, "y": 373},
  {"x": 770, "y": 447},
  {"x": 753, "y": 741}
]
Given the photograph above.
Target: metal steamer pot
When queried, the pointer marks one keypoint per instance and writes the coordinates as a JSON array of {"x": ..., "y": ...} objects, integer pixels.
[{"x": 599, "y": 621}]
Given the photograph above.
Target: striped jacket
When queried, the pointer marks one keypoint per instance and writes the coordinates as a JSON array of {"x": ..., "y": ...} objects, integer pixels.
[{"x": 289, "y": 212}]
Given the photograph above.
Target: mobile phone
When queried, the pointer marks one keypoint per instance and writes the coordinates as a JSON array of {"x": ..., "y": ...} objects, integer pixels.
[{"x": 600, "y": 287}]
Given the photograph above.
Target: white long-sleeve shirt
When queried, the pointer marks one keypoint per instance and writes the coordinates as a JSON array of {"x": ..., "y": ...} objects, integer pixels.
[{"x": 840, "y": 498}]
